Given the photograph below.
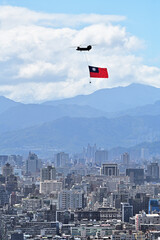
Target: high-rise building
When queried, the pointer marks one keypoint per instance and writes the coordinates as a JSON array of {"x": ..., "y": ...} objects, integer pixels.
[
  {"x": 127, "y": 211},
  {"x": 7, "y": 170},
  {"x": 109, "y": 169},
  {"x": 125, "y": 158},
  {"x": 89, "y": 152},
  {"x": 101, "y": 156},
  {"x": 144, "y": 153},
  {"x": 11, "y": 183},
  {"x": 4, "y": 196},
  {"x": 48, "y": 173},
  {"x": 33, "y": 164},
  {"x": 136, "y": 175},
  {"x": 140, "y": 203},
  {"x": 70, "y": 199},
  {"x": 13, "y": 198},
  {"x": 153, "y": 171},
  {"x": 61, "y": 159}
]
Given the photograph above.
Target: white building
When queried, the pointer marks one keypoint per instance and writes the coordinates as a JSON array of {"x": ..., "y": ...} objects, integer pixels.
[
  {"x": 144, "y": 218},
  {"x": 70, "y": 199},
  {"x": 49, "y": 186}
]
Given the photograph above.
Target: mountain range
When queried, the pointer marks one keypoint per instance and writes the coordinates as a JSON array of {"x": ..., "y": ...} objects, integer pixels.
[
  {"x": 118, "y": 117},
  {"x": 115, "y": 99}
]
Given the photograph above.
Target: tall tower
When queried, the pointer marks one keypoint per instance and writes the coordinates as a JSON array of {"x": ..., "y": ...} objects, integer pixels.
[
  {"x": 101, "y": 156},
  {"x": 61, "y": 159},
  {"x": 125, "y": 158},
  {"x": 127, "y": 211},
  {"x": 33, "y": 164},
  {"x": 153, "y": 171}
]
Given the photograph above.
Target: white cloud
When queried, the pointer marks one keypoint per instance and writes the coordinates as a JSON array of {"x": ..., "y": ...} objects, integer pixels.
[
  {"x": 16, "y": 16},
  {"x": 37, "y": 62}
]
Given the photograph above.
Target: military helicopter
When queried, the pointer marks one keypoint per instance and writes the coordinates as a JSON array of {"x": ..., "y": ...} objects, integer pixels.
[{"x": 88, "y": 48}]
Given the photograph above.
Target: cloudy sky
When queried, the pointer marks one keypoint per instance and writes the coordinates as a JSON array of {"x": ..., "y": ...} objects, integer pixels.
[{"x": 38, "y": 38}]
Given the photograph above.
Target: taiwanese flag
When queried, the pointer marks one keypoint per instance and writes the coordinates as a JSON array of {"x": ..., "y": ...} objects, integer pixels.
[{"x": 96, "y": 72}]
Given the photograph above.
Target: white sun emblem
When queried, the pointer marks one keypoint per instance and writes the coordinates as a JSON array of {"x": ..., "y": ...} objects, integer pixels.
[{"x": 93, "y": 69}]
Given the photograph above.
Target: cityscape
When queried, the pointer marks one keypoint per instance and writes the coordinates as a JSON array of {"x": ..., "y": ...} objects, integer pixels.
[
  {"x": 79, "y": 120},
  {"x": 83, "y": 196}
]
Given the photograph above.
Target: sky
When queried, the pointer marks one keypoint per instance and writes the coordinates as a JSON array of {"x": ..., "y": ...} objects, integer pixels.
[{"x": 38, "y": 39}]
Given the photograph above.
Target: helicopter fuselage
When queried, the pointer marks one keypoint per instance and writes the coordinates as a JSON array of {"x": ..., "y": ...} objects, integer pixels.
[{"x": 88, "y": 48}]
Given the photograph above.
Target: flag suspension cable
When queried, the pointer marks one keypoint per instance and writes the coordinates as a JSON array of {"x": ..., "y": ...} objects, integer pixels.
[{"x": 87, "y": 64}]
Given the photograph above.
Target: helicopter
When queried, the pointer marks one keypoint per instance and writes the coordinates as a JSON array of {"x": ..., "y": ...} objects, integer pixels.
[{"x": 88, "y": 48}]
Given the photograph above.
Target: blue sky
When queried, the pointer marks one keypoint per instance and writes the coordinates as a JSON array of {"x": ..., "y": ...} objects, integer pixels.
[
  {"x": 142, "y": 16},
  {"x": 139, "y": 13},
  {"x": 36, "y": 43}
]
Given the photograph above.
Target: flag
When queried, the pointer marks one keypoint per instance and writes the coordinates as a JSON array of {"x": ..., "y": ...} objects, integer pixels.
[{"x": 96, "y": 72}]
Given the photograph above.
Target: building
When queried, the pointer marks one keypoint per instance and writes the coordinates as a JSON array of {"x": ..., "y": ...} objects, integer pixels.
[
  {"x": 65, "y": 216},
  {"x": 128, "y": 235},
  {"x": 127, "y": 211},
  {"x": 13, "y": 198},
  {"x": 89, "y": 153},
  {"x": 86, "y": 231},
  {"x": 50, "y": 213},
  {"x": 17, "y": 236},
  {"x": 89, "y": 215},
  {"x": 2, "y": 179},
  {"x": 11, "y": 183},
  {"x": 7, "y": 170},
  {"x": 109, "y": 169},
  {"x": 70, "y": 199},
  {"x": 49, "y": 186},
  {"x": 125, "y": 158},
  {"x": 61, "y": 159},
  {"x": 109, "y": 213},
  {"x": 31, "y": 204},
  {"x": 144, "y": 219},
  {"x": 4, "y": 197},
  {"x": 144, "y": 153},
  {"x": 33, "y": 164},
  {"x": 154, "y": 205},
  {"x": 153, "y": 171},
  {"x": 48, "y": 173},
  {"x": 101, "y": 156},
  {"x": 139, "y": 202},
  {"x": 136, "y": 175}
]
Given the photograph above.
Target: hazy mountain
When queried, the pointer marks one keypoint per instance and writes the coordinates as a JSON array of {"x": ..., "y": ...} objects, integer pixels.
[
  {"x": 149, "y": 109},
  {"x": 115, "y": 99},
  {"x": 74, "y": 133},
  {"x": 71, "y": 124},
  {"x": 15, "y": 115},
  {"x": 6, "y": 103},
  {"x": 26, "y": 115},
  {"x": 152, "y": 148}
]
